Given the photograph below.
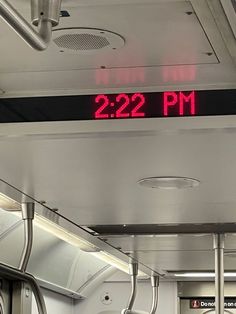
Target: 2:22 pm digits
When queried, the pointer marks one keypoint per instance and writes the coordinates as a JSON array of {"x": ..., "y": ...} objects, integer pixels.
[{"x": 124, "y": 106}]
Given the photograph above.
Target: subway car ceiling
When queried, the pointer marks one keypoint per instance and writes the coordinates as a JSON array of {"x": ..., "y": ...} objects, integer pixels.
[
  {"x": 133, "y": 181},
  {"x": 119, "y": 46}
]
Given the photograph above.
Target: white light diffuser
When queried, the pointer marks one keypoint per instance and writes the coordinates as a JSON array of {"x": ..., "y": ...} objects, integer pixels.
[
  {"x": 82, "y": 244},
  {"x": 63, "y": 234},
  {"x": 111, "y": 260},
  {"x": 6, "y": 203},
  {"x": 202, "y": 275},
  {"x": 47, "y": 225}
]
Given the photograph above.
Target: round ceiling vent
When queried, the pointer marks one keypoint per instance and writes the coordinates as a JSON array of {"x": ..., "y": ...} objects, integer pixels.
[
  {"x": 86, "y": 40},
  {"x": 169, "y": 183}
]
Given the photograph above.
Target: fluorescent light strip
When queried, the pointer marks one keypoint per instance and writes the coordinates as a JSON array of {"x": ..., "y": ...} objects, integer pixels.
[
  {"x": 202, "y": 275},
  {"x": 109, "y": 259},
  {"x": 63, "y": 234},
  {"x": 82, "y": 244},
  {"x": 6, "y": 203}
]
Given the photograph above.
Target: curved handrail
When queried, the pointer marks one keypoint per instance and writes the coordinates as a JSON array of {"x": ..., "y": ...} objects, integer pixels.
[
  {"x": 133, "y": 270},
  {"x": 27, "y": 216},
  {"x": 134, "y": 273},
  {"x": 15, "y": 274},
  {"x": 155, "y": 285},
  {"x": 37, "y": 40}
]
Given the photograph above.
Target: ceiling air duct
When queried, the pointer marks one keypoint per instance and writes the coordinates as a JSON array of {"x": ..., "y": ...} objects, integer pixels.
[{"x": 45, "y": 15}]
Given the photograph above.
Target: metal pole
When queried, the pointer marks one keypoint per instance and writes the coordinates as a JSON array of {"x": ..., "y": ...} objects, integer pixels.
[
  {"x": 219, "y": 272},
  {"x": 27, "y": 216},
  {"x": 40, "y": 40},
  {"x": 15, "y": 274},
  {"x": 134, "y": 273},
  {"x": 155, "y": 285}
]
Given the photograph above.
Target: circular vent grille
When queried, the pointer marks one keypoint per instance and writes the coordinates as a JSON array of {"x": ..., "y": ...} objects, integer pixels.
[{"x": 82, "y": 40}]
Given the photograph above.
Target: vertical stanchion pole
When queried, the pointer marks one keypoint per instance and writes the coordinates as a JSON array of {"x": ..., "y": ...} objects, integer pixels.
[{"x": 219, "y": 272}]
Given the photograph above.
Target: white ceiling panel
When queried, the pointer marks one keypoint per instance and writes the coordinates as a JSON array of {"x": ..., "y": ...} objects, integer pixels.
[
  {"x": 178, "y": 261},
  {"x": 93, "y": 179},
  {"x": 166, "y": 47},
  {"x": 181, "y": 260},
  {"x": 196, "y": 242},
  {"x": 147, "y": 42},
  {"x": 175, "y": 252}
]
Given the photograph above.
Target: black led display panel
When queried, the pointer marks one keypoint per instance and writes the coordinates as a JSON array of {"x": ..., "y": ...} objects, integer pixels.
[{"x": 119, "y": 106}]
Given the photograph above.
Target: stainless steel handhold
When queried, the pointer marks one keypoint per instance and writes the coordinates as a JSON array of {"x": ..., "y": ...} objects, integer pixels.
[
  {"x": 27, "y": 216},
  {"x": 155, "y": 286},
  {"x": 133, "y": 269},
  {"x": 45, "y": 10},
  {"x": 45, "y": 20}
]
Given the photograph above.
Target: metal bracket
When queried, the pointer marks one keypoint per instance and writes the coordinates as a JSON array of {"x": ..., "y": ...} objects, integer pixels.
[{"x": 45, "y": 14}]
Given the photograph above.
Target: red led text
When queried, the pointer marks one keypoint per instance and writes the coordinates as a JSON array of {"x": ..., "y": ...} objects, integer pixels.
[
  {"x": 121, "y": 106},
  {"x": 182, "y": 103}
]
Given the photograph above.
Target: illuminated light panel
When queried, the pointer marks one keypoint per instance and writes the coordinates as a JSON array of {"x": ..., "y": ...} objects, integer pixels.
[
  {"x": 82, "y": 244},
  {"x": 109, "y": 259},
  {"x": 63, "y": 234},
  {"x": 68, "y": 237},
  {"x": 6, "y": 203},
  {"x": 203, "y": 275}
]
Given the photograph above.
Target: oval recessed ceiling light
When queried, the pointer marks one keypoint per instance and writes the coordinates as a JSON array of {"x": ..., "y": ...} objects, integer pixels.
[{"x": 169, "y": 183}]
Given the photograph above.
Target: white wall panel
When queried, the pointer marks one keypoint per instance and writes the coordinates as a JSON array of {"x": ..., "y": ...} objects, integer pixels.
[
  {"x": 119, "y": 293},
  {"x": 55, "y": 303}
]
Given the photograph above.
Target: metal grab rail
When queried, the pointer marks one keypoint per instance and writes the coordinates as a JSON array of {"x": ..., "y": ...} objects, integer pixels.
[
  {"x": 133, "y": 270},
  {"x": 155, "y": 285},
  {"x": 15, "y": 274},
  {"x": 38, "y": 41},
  {"x": 27, "y": 216},
  {"x": 134, "y": 274}
]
